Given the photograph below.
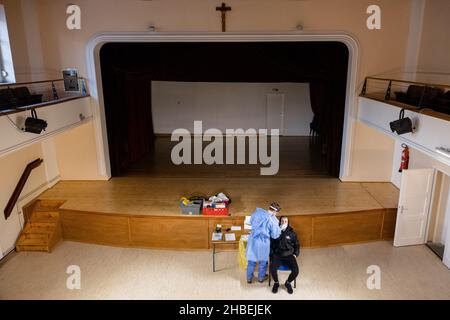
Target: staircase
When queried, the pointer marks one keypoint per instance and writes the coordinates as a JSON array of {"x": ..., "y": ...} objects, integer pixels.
[{"x": 42, "y": 231}]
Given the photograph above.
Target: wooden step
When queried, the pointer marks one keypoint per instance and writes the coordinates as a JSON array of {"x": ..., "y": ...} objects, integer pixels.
[
  {"x": 46, "y": 205},
  {"x": 43, "y": 229},
  {"x": 23, "y": 248},
  {"x": 34, "y": 240},
  {"x": 50, "y": 215},
  {"x": 40, "y": 228},
  {"x": 44, "y": 217}
]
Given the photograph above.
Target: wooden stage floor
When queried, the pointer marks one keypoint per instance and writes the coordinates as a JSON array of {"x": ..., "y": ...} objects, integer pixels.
[
  {"x": 144, "y": 212},
  {"x": 160, "y": 196}
]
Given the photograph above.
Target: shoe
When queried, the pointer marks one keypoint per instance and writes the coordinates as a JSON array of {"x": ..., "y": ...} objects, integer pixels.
[
  {"x": 289, "y": 288},
  {"x": 266, "y": 277},
  {"x": 275, "y": 287},
  {"x": 249, "y": 281}
]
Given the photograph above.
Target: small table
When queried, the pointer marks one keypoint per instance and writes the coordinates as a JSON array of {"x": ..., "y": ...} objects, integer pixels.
[
  {"x": 238, "y": 234},
  {"x": 222, "y": 242}
]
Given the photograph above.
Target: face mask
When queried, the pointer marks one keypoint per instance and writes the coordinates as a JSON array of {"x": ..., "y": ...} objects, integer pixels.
[{"x": 284, "y": 227}]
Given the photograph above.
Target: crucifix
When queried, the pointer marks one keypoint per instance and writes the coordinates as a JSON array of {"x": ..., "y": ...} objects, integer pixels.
[{"x": 223, "y": 9}]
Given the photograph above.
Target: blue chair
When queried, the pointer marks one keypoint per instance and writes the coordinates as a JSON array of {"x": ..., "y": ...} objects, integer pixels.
[{"x": 283, "y": 269}]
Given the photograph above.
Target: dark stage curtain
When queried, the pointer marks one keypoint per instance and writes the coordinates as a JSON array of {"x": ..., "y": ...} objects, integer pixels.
[
  {"x": 328, "y": 108},
  {"x": 319, "y": 101},
  {"x": 133, "y": 136}
]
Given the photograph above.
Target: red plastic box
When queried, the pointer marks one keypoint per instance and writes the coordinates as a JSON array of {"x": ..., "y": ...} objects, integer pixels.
[{"x": 216, "y": 211}]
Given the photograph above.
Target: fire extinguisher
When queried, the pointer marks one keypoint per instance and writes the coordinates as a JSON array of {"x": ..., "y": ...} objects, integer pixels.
[{"x": 405, "y": 158}]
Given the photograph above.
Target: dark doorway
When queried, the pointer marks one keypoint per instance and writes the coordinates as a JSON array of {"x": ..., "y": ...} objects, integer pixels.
[{"x": 129, "y": 68}]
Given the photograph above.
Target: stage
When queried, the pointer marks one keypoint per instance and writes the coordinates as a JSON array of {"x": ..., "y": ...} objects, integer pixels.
[
  {"x": 160, "y": 196},
  {"x": 144, "y": 212}
]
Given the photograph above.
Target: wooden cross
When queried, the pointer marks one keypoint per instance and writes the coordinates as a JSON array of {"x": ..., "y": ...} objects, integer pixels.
[{"x": 223, "y": 9}]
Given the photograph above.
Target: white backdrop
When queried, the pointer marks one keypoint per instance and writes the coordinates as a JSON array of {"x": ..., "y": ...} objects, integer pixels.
[{"x": 228, "y": 105}]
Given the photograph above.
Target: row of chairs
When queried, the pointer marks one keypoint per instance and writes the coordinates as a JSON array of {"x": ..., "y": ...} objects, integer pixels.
[
  {"x": 426, "y": 97},
  {"x": 12, "y": 98}
]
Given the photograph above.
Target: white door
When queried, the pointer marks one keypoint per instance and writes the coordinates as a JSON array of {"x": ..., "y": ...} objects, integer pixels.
[
  {"x": 413, "y": 207},
  {"x": 446, "y": 234},
  {"x": 446, "y": 258},
  {"x": 275, "y": 112}
]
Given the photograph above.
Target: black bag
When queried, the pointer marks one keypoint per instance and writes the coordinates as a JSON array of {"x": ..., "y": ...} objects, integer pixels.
[
  {"x": 35, "y": 125},
  {"x": 402, "y": 125}
]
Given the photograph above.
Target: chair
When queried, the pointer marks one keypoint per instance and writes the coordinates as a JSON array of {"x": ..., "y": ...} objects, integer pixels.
[
  {"x": 7, "y": 99},
  {"x": 314, "y": 127},
  {"x": 25, "y": 98},
  {"x": 419, "y": 96},
  {"x": 284, "y": 269}
]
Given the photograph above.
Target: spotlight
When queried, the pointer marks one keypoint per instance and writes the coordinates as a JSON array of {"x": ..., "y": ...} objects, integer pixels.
[
  {"x": 402, "y": 125},
  {"x": 34, "y": 124}
]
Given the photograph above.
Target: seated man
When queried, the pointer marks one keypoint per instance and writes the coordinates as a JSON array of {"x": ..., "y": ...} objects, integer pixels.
[
  {"x": 284, "y": 252},
  {"x": 264, "y": 227}
]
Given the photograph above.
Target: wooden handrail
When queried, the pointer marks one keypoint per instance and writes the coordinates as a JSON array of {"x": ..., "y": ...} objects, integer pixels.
[{"x": 20, "y": 185}]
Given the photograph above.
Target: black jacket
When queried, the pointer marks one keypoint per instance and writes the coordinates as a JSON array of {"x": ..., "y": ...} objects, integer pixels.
[{"x": 286, "y": 245}]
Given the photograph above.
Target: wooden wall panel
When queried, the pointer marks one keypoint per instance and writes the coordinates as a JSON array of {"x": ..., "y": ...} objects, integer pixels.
[
  {"x": 169, "y": 233},
  {"x": 390, "y": 219},
  {"x": 347, "y": 228},
  {"x": 95, "y": 228},
  {"x": 303, "y": 227},
  {"x": 195, "y": 232}
]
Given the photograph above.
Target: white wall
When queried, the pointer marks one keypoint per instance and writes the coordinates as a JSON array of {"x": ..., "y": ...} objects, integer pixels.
[
  {"x": 228, "y": 105},
  {"x": 75, "y": 154},
  {"x": 59, "y": 117},
  {"x": 433, "y": 62},
  {"x": 430, "y": 132},
  {"x": 371, "y": 158},
  {"x": 11, "y": 168}
]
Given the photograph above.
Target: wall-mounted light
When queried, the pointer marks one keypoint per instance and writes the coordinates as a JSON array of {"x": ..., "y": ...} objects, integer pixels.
[
  {"x": 402, "y": 125},
  {"x": 35, "y": 125}
]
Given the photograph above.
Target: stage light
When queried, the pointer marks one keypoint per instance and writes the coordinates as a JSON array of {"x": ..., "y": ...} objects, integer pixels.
[
  {"x": 402, "y": 125},
  {"x": 35, "y": 125}
]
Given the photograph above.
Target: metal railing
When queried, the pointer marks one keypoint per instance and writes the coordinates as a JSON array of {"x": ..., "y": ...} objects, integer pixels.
[
  {"x": 18, "y": 97},
  {"x": 409, "y": 94}
]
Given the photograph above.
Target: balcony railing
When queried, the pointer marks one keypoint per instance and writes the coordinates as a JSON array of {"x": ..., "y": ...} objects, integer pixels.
[
  {"x": 20, "y": 97},
  {"x": 427, "y": 98}
]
